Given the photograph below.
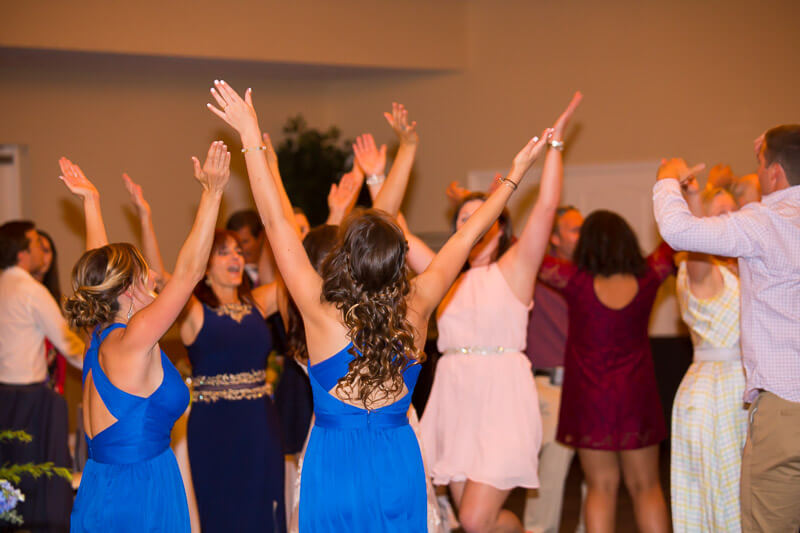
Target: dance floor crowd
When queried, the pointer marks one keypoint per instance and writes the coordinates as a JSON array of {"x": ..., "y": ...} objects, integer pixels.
[{"x": 539, "y": 352}]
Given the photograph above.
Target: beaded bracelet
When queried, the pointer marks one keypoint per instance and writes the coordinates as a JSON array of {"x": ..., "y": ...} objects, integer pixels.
[{"x": 257, "y": 148}]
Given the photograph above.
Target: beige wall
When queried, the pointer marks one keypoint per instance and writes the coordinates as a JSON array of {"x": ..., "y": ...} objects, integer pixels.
[{"x": 345, "y": 32}]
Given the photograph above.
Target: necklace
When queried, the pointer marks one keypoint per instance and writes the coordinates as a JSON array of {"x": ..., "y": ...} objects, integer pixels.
[{"x": 237, "y": 311}]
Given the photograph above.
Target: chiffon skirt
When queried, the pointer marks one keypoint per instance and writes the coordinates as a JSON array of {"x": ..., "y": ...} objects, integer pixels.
[
  {"x": 136, "y": 497},
  {"x": 482, "y": 421}
]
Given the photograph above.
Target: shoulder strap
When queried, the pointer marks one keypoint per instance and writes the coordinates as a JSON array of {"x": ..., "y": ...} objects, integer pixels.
[{"x": 108, "y": 329}]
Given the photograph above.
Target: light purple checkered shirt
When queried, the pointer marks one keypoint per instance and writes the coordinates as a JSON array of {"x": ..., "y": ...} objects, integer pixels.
[{"x": 765, "y": 237}]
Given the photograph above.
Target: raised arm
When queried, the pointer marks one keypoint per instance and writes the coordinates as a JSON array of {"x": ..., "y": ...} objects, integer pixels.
[
  {"x": 431, "y": 286},
  {"x": 393, "y": 191},
  {"x": 730, "y": 235},
  {"x": 152, "y": 252},
  {"x": 302, "y": 281},
  {"x": 522, "y": 260},
  {"x": 150, "y": 324},
  {"x": 75, "y": 180},
  {"x": 373, "y": 161},
  {"x": 699, "y": 267},
  {"x": 272, "y": 164}
]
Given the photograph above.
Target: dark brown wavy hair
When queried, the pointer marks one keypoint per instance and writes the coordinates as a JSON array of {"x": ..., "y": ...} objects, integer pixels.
[
  {"x": 98, "y": 278},
  {"x": 203, "y": 290},
  {"x": 366, "y": 277},
  {"x": 607, "y": 245},
  {"x": 317, "y": 243}
]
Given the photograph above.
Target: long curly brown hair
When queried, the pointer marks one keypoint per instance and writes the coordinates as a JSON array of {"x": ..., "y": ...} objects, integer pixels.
[{"x": 366, "y": 277}]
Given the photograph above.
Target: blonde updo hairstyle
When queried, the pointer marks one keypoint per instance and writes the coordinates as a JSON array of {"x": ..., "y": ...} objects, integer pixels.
[{"x": 98, "y": 279}]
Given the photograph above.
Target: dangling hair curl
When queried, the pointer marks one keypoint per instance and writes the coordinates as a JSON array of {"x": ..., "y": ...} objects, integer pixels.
[
  {"x": 98, "y": 278},
  {"x": 366, "y": 277}
]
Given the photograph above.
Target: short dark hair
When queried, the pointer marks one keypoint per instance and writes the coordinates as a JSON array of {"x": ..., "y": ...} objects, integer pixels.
[
  {"x": 782, "y": 146},
  {"x": 13, "y": 241},
  {"x": 607, "y": 245},
  {"x": 245, "y": 218},
  {"x": 560, "y": 212}
]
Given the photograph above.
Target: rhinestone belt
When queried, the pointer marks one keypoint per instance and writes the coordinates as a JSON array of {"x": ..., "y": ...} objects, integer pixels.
[{"x": 243, "y": 386}]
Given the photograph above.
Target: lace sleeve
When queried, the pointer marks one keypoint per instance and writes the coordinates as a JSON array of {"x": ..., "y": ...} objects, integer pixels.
[
  {"x": 556, "y": 272},
  {"x": 662, "y": 261}
]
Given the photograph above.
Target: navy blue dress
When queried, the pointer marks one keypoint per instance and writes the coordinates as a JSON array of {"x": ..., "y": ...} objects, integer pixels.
[
  {"x": 362, "y": 470},
  {"x": 234, "y": 442},
  {"x": 131, "y": 482}
]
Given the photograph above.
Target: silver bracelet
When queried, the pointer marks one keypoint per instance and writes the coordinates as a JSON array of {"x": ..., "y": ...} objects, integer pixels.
[
  {"x": 375, "y": 179},
  {"x": 556, "y": 145},
  {"x": 510, "y": 183}
]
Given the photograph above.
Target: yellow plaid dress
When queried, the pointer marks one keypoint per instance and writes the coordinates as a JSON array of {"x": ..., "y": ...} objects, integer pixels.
[{"x": 709, "y": 422}]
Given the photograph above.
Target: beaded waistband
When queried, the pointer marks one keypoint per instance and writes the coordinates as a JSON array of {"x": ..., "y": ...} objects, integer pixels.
[
  {"x": 482, "y": 350},
  {"x": 243, "y": 386}
]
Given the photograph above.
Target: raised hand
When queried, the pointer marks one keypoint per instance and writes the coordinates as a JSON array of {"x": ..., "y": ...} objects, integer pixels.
[
  {"x": 398, "y": 120},
  {"x": 676, "y": 168},
  {"x": 369, "y": 157},
  {"x": 216, "y": 170},
  {"x": 237, "y": 112},
  {"x": 563, "y": 120},
  {"x": 75, "y": 180},
  {"x": 342, "y": 197},
  {"x": 455, "y": 192},
  {"x": 529, "y": 153},
  {"x": 137, "y": 197}
]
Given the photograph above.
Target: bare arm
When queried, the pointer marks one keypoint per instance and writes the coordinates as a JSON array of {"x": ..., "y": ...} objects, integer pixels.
[
  {"x": 521, "y": 262},
  {"x": 391, "y": 195},
  {"x": 302, "y": 281},
  {"x": 79, "y": 185},
  {"x": 150, "y": 248},
  {"x": 431, "y": 286},
  {"x": 699, "y": 267},
  {"x": 148, "y": 325},
  {"x": 373, "y": 161}
]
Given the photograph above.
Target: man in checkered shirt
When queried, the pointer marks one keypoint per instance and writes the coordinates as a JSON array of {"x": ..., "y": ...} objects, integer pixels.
[{"x": 765, "y": 237}]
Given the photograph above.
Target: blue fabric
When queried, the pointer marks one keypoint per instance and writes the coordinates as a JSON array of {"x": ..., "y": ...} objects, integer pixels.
[
  {"x": 362, "y": 470},
  {"x": 235, "y": 447},
  {"x": 131, "y": 481}
]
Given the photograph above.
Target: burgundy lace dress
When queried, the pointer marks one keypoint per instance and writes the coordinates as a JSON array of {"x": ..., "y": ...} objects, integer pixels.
[{"x": 610, "y": 397}]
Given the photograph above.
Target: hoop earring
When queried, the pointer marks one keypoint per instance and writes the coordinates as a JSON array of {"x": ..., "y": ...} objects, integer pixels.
[{"x": 130, "y": 310}]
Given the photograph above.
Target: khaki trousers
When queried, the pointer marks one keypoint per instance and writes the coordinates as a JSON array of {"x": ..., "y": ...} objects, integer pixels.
[{"x": 770, "y": 486}]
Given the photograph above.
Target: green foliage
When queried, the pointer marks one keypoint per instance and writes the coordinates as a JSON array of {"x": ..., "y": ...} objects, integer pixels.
[
  {"x": 310, "y": 161},
  {"x": 9, "y": 434},
  {"x": 14, "y": 473}
]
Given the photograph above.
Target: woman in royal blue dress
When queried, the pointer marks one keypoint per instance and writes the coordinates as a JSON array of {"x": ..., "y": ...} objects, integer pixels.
[
  {"x": 233, "y": 433},
  {"x": 132, "y": 394},
  {"x": 365, "y": 327}
]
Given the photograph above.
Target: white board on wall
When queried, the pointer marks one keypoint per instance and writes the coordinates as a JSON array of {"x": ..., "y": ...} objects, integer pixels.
[
  {"x": 11, "y": 181},
  {"x": 625, "y": 188}
]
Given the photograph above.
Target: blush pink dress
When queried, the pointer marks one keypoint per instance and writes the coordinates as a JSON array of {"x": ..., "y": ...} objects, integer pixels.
[{"x": 482, "y": 419}]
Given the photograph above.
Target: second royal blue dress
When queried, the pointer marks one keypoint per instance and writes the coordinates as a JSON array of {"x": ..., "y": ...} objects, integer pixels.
[{"x": 363, "y": 468}]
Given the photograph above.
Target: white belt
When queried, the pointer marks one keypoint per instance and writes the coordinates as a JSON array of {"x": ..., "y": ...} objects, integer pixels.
[
  {"x": 718, "y": 354},
  {"x": 483, "y": 350}
]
